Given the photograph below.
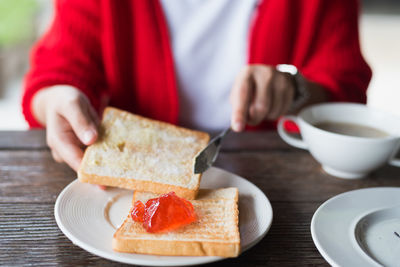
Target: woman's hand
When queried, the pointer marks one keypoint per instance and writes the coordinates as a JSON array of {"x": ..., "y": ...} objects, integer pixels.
[
  {"x": 70, "y": 120},
  {"x": 260, "y": 92}
]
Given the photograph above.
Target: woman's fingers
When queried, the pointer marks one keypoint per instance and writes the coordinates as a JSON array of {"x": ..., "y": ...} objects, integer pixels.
[
  {"x": 262, "y": 101},
  {"x": 241, "y": 96},
  {"x": 64, "y": 144},
  {"x": 68, "y": 148},
  {"x": 56, "y": 157},
  {"x": 77, "y": 112},
  {"x": 70, "y": 120},
  {"x": 260, "y": 92}
]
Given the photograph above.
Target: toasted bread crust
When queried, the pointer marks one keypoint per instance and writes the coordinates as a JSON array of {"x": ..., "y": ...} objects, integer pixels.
[
  {"x": 138, "y": 185},
  {"x": 177, "y": 248}
]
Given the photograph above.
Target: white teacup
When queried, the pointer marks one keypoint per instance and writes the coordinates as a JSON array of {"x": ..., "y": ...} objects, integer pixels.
[{"x": 341, "y": 155}]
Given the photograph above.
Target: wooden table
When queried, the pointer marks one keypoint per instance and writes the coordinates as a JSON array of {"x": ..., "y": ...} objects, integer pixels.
[{"x": 292, "y": 180}]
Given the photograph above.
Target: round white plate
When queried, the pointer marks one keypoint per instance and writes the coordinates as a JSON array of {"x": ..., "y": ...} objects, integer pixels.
[
  {"x": 335, "y": 224},
  {"x": 89, "y": 217}
]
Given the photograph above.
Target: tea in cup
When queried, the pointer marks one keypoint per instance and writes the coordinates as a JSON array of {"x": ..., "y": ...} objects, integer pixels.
[{"x": 349, "y": 140}]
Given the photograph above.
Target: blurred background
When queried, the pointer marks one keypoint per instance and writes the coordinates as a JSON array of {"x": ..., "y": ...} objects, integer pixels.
[{"x": 23, "y": 21}]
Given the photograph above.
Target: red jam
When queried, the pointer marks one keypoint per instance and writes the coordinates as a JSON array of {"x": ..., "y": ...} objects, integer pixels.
[
  {"x": 163, "y": 214},
  {"x": 138, "y": 211}
]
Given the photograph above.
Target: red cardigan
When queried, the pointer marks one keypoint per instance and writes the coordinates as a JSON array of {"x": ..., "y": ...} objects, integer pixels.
[{"x": 118, "y": 52}]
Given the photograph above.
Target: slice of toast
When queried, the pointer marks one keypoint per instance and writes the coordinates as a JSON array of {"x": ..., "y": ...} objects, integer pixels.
[
  {"x": 137, "y": 153},
  {"x": 214, "y": 233}
]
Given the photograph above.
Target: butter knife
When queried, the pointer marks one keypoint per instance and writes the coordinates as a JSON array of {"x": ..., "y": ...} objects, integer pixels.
[{"x": 208, "y": 155}]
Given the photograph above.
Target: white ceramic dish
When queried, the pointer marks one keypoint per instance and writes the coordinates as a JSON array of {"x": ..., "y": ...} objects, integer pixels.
[
  {"x": 377, "y": 234},
  {"x": 345, "y": 228},
  {"x": 89, "y": 217},
  {"x": 345, "y": 156}
]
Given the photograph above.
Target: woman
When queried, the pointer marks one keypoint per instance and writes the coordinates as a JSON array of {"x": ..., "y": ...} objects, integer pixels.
[{"x": 181, "y": 62}]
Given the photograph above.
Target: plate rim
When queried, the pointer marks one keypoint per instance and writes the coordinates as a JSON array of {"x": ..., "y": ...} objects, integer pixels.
[
  {"x": 116, "y": 258},
  {"x": 314, "y": 236}
]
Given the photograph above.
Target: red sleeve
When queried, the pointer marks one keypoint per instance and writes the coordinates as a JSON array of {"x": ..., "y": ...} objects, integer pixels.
[
  {"x": 69, "y": 53},
  {"x": 333, "y": 58}
]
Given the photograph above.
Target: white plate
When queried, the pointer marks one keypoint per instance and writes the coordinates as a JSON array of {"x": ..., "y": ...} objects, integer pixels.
[
  {"x": 88, "y": 216},
  {"x": 377, "y": 234},
  {"x": 337, "y": 226}
]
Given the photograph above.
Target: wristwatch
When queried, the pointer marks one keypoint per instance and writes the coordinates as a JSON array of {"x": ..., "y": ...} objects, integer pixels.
[{"x": 301, "y": 95}]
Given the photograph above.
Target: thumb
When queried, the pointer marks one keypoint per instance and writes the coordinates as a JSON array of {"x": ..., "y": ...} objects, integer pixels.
[{"x": 82, "y": 123}]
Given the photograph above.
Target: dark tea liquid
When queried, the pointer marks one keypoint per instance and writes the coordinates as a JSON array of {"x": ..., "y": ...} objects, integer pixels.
[{"x": 351, "y": 129}]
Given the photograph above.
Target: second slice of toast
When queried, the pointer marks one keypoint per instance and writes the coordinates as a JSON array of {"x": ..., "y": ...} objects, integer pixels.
[
  {"x": 137, "y": 153},
  {"x": 214, "y": 233}
]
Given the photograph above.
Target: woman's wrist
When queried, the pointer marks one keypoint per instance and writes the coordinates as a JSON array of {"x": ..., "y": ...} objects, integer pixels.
[{"x": 306, "y": 91}]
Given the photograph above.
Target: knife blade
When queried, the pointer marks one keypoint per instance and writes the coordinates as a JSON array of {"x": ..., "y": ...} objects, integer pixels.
[{"x": 208, "y": 155}]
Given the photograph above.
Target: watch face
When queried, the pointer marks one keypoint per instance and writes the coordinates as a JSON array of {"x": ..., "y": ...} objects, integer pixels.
[{"x": 287, "y": 68}]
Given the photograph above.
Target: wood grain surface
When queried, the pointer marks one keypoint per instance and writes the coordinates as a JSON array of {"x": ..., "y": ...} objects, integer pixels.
[{"x": 30, "y": 182}]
